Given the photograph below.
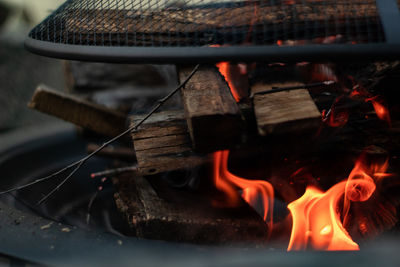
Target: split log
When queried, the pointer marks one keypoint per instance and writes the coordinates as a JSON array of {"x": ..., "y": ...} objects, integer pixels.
[
  {"x": 80, "y": 112},
  {"x": 213, "y": 117},
  {"x": 163, "y": 144},
  {"x": 192, "y": 218},
  {"x": 284, "y": 112}
]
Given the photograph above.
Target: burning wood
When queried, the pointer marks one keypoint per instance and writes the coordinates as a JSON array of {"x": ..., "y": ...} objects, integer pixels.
[
  {"x": 213, "y": 117},
  {"x": 191, "y": 218},
  {"x": 165, "y": 142}
]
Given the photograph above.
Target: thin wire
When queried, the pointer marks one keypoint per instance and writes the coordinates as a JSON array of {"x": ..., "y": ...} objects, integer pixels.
[
  {"x": 79, "y": 163},
  {"x": 114, "y": 171}
]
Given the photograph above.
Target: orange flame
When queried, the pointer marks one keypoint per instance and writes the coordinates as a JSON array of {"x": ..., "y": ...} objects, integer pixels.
[
  {"x": 223, "y": 68},
  {"x": 379, "y": 104},
  {"x": 380, "y": 107},
  {"x": 316, "y": 221},
  {"x": 253, "y": 191},
  {"x": 335, "y": 117}
]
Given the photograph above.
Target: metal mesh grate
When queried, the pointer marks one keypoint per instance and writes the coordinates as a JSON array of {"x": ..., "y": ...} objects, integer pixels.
[{"x": 172, "y": 23}]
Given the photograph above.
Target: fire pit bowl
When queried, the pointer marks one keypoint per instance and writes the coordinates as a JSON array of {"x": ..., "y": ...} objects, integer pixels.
[{"x": 28, "y": 236}]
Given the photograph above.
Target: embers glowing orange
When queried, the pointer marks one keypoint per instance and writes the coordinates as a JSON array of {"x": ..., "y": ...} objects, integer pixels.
[
  {"x": 335, "y": 117},
  {"x": 378, "y": 102},
  {"x": 254, "y": 192},
  {"x": 316, "y": 221}
]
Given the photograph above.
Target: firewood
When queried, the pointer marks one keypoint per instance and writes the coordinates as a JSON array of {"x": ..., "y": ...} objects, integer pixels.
[
  {"x": 189, "y": 218},
  {"x": 213, "y": 117},
  {"x": 80, "y": 112},
  {"x": 284, "y": 112},
  {"x": 163, "y": 144}
]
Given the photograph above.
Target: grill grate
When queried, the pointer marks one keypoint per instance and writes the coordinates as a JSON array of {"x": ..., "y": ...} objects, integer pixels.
[{"x": 205, "y": 23}]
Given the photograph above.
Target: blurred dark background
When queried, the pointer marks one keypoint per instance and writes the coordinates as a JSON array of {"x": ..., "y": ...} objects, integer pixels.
[{"x": 21, "y": 71}]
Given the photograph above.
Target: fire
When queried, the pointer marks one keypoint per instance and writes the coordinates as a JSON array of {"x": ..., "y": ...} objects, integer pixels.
[
  {"x": 335, "y": 117},
  {"x": 317, "y": 222},
  {"x": 253, "y": 191},
  {"x": 319, "y": 219},
  {"x": 380, "y": 107},
  {"x": 224, "y": 69},
  {"x": 379, "y": 104}
]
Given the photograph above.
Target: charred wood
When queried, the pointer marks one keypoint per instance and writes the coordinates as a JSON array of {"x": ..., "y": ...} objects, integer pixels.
[{"x": 192, "y": 218}]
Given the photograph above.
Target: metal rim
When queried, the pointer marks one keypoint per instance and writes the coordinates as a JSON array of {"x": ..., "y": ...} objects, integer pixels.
[{"x": 188, "y": 55}]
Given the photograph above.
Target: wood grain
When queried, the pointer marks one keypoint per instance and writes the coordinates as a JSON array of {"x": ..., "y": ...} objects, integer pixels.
[
  {"x": 213, "y": 117},
  {"x": 284, "y": 112},
  {"x": 186, "y": 218},
  {"x": 78, "y": 111},
  {"x": 163, "y": 144}
]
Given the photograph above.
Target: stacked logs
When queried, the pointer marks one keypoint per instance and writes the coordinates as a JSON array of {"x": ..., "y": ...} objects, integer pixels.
[{"x": 277, "y": 109}]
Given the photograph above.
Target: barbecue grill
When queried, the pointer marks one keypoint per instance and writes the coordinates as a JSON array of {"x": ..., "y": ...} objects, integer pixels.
[{"x": 177, "y": 31}]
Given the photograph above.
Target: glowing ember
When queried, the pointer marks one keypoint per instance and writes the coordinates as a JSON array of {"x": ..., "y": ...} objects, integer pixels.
[
  {"x": 254, "y": 192},
  {"x": 335, "y": 117},
  {"x": 379, "y": 104}
]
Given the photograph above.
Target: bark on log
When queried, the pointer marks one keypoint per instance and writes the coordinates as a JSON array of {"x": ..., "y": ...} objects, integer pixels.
[
  {"x": 163, "y": 144},
  {"x": 213, "y": 117},
  {"x": 284, "y": 112},
  {"x": 191, "y": 219},
  {"x": 80, "y": 112}
]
